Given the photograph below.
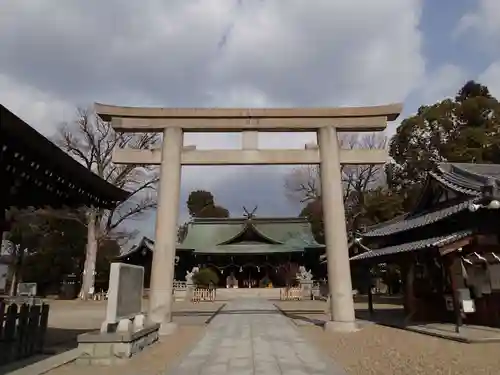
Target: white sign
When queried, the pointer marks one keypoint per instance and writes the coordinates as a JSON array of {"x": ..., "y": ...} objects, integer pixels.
[
  {"x": 26, "y": 289},
  {"x": 468, "y": 306},
  {"x": 495, "y": 276}
]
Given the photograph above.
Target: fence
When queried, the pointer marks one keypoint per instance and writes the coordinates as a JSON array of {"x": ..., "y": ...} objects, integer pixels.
[
  {"x": 22, "y": 330},
  {"x": 203, "y": 294},
  {"x": 320, "y": 290},
  {"x": 180, "y": 285},
  {"x": 290, "y": 294}
]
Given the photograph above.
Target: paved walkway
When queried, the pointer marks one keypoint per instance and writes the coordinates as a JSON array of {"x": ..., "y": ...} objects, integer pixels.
[{"x": 250, "y": 336}]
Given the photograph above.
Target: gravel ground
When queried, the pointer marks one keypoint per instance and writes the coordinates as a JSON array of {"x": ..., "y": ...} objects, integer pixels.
[
  {"x": 152, "y": 361},
  {"x": 378, "y": 350}
]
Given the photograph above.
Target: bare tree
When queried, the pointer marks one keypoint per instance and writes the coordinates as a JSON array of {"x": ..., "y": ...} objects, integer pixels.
[
  {"x": 91, "y": 141},
  {"x": 303, "y": 184}
]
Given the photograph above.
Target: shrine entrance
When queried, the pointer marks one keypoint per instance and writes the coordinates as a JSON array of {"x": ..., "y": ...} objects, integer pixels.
[{"x": 174, "y": 122}]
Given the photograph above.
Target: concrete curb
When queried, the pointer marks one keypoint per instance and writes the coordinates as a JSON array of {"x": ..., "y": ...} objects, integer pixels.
[
  {"x": 463, "y": 340},
  {"x": 46, "y": 365}
]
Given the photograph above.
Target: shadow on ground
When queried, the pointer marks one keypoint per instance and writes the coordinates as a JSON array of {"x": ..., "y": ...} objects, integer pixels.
[{"x": 61, "y": 339}]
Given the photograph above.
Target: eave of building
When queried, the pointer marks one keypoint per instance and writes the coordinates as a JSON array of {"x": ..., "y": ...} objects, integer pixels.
[
  {"x": 418, "y": 221},
  {"x": 146, "y": 245},
  {"x": 242, "y": 249},
  {"x": 426, "y": 243},
  {"x": 44, "y": 175}
]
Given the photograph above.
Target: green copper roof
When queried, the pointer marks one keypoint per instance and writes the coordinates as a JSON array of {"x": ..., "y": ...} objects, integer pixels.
[
  {"x": 241, "y": 236},
  {"x": 244, "y": 248},
  {"x": 271, "y": 234}
]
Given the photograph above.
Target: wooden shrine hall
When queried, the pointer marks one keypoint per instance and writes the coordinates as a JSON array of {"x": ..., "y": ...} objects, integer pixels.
[
  {"x": 254, "y": 251},
  {"x": 36, "y": 173},
  {"x": 447, "y": 247}
]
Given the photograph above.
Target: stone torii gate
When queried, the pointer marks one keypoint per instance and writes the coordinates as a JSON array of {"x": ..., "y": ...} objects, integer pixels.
[{"x": 173, "y": 122}]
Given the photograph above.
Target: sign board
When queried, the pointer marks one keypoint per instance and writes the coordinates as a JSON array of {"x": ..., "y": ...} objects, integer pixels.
[
  {"x": 26, "y": 289},
  {"x": 449, "y": 302},
  {"x": 125, "y": 292}
]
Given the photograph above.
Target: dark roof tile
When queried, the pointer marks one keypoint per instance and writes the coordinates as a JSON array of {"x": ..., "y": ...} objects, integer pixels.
[{"x": 412, "y": 246}]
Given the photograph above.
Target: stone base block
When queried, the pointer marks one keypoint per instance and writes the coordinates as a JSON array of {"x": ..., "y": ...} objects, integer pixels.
[
  {"x": 341, "y": 327},
  {"x": 167, "y": 328},
  {"x": 112, "y": 348}
]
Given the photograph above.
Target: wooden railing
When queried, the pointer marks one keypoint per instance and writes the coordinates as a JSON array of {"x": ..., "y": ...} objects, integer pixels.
[
  {"x": 203, "y": 295},
  {"x": 291, "y": 294},
  {"x": 22, "y": 330}
]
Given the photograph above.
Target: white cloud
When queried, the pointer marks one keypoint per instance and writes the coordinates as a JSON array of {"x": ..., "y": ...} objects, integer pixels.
[
  {"x": 491, "y": 78},
  {"x": 444, "y": 82},
  {"x": 208, "y": 53},
  {"x": 483, "y": 19},
  {"x": 39, "y": 109}
]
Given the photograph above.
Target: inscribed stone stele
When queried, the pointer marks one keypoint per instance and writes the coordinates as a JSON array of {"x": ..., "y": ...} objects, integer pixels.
[{"x": 125, "y": 291}]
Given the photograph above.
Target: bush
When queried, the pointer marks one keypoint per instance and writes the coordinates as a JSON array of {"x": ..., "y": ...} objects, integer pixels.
[{"x": 206, "y": 277}]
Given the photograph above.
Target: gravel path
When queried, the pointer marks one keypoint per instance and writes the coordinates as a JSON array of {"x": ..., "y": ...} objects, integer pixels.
[{"x": 378, "y": 350}]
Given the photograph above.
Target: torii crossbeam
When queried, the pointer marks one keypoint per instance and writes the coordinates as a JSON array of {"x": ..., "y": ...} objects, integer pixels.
[{"x": 173, "y": 122}]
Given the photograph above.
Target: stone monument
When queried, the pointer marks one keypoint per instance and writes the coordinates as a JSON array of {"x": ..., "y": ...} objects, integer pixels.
[
  {"x": 190, "y": 283},
  {"x": 125, "y": 330},
  {"x": 306, "y": 283}
]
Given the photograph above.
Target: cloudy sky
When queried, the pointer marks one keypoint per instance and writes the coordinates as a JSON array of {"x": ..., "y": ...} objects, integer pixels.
[{"x": 56, "y": 55}]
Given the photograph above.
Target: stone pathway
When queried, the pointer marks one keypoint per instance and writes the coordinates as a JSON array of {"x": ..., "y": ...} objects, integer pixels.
[{"x": 250, "y": 336}]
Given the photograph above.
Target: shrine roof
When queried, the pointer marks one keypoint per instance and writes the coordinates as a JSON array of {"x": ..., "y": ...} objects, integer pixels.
[
  {"x": 424, "y": 219},
  {"x": 208, "y": 233},
  {"x": 467, "y": 178},
  {"x": 464, "y": 179},
  {"x": 230, "y": 236},
  {"x": 43, "y": 174},
  {"x": 426, "y": 243},
  {"x": 244, "y": 248}
]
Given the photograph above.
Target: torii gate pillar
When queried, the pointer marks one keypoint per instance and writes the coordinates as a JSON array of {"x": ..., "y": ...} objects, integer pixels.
[
  {"x": 162, "y": 267},
  {"x": 339, "y": 273}
]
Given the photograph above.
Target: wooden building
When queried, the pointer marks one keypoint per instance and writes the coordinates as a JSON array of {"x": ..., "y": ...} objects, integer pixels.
[
  {"x": 250, "y": 249},
  {"x": 447, "y": 247},
  {"x": 34, "y": 172}
]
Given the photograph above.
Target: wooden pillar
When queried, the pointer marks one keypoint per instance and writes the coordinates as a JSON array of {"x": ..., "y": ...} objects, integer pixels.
[
  {"x": 448, "y": 261},
  {"x": 409, "y": 299}
]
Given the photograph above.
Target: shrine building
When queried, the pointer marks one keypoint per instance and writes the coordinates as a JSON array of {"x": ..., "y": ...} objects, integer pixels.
[
  {"x": 250, "y": 249},
  {"x": 447, "y": 247}
]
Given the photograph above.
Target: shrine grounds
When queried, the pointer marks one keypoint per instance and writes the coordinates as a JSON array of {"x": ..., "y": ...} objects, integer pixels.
[{"x": 374, "y": 350}]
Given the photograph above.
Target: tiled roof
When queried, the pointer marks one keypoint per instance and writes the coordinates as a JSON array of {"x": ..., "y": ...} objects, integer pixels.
[
  {"x": 412, "y": 246},
  {"x": 463, "y": 178},
  {"x": 55, "y": 178},
  {"x": 145, "y": 242},
  {"x": 216, "y": 235},
  {"x": 418, "y": 221},
  {"x": 467, "y": 177},
  {"x": 250, "y": 249},
  {"x": 208, "y": 233}
]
